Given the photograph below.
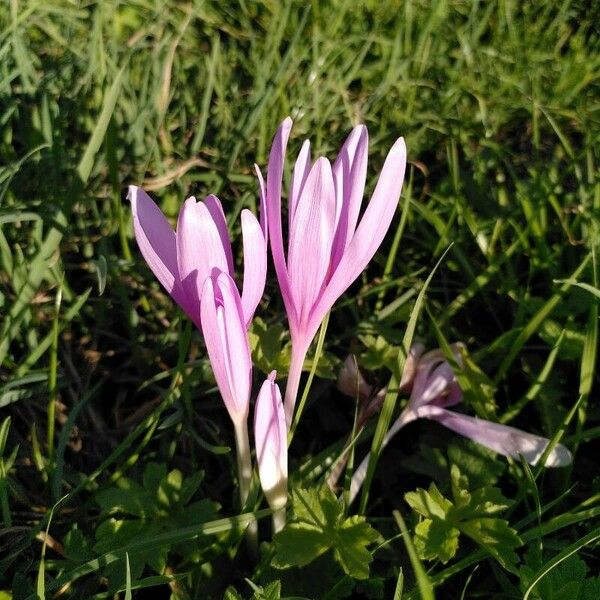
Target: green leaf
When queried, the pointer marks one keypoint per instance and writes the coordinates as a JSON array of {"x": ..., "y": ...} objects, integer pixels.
[
  {"x": 437, "y": 536},
  {"x": 478, "y": 463},
  {"x": 430, "y": 503},
  {"x": 76, "y": 546},
  {"x": 318, "y": 525},
  {"x": 232, "y": 594},
  {"x": 352, "y": 539},
  {"x": 436, "y": 539},
  {"x": 318, "y": 507},
  {"x": 267, "y": 346},
  {"x": 168, "y": 492},
  {"x": 496, "y": 537},
  {"x": 272, "y": 591},
  {"x": 298, "y": 544}
]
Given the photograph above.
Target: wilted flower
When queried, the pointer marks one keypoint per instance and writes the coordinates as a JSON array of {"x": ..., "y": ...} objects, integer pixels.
[
  {"x": 327, "y": 248},
  {"x": 434, "y": 388}
]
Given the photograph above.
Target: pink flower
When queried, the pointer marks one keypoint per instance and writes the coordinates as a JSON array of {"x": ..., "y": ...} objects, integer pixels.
[
  {"x": 433, "y": 388},
  {"x": 327, "y": 247},
  {"x": 226, "y": 338},
  {"x": 224, "y": 330},
  {"x": 183, "y": 259},
  {"x": 270, "y": 436}
]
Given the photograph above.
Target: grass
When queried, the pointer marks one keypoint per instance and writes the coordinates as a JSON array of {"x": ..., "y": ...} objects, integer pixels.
[{"x": 498, "y": 102}]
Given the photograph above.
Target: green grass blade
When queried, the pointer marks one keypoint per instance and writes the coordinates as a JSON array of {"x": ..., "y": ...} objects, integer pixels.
[
  {"x": 389, "y": 403},
  {"x": 86, "y": 163},
  {"x": 423, "y": 582},
  {"x": 591, "y": 537}
]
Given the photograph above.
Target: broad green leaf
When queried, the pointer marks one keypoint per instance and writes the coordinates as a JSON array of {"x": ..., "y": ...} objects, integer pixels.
[
  {"x": 318, "y": 525},
  {"x": 495, "y": 536},
  {"x": 436, "y": 539},
  {"x": 430, "y": 503},
  {"x": 298, "y": 544},
  {"x": 352, "y": 539}
]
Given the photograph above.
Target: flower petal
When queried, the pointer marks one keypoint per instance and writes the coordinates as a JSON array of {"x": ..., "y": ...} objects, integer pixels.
[
  {"x": 299, "y": 176},
  {"x": 351, "y": 382},
  {"x": 255, "y": 265},
  {"x": 156, "y": 240},
  {"x": 262, "y": 192},
  {"x": 270, "y": 435},
  {"x": 349, "y": 174},
  {"x": 410, "y": 367},
  {"x": 499, "y": 438},
  {"x": 199, "y": 250},
  {"x": 431, "y": 383},
  {"x": 369, "y": 233},
  {"x": 227, "y": 342},
  {"x": 310, "y": 238},
  {"x": 274, "y": 183},
  {"x": 213, "y": 204}
]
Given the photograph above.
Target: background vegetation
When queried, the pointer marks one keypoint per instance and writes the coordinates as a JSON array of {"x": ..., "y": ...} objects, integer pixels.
[{"x": 106, "y": 394}]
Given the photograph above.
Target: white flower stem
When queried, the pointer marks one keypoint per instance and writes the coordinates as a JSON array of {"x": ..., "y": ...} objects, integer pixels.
[
  {"x": 244, "y": 467},
  {"x": 278, "y": 520}
]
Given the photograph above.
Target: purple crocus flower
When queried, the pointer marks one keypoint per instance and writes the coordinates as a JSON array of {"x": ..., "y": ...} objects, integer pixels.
[
  {"x": 195, "y": 265},
  {"x": 226, "y": 338},
  {"x": 433, "y": 388},
  {"x": 327, "y": 247},
  {"x": 183, "y": 259}
]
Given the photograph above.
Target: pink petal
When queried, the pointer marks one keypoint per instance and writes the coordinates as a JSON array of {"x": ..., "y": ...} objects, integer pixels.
[
  {"x": 431, "y": 383},
  {"x": 505, "y": 440},
  {"x": 369, "y": 234},
  {"x": 227, "y": 342},
  {"x": 156, "y": 240},
  {"x": 274, "y": 182},
  {"x": 199, "y": 250},
  {"x": 311, "y": 236},
  {"x": 350, "y": 380},
  {"x": 213, "y": 204},
  {"x": 410, "y": 367},
  {"x": 299, "y": 176},
  {"x": 263, "y": 202},
  {"x": 349, "y": 173},
  {"x": 270, "y": 436},
  {"x": 255, "y": 265}
]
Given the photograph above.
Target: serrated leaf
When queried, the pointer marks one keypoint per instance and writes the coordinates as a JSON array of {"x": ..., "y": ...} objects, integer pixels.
[
  {"x": 352, "y": 539},
  {"x": 497, "y": 537},
  {"x": 271, "y": 591},
  {"x": 232, "y": 594},
  {"x": 318, "y": 507},
  {"x": 478, "y": 463},
  {"x": 127, "y": 498},
  {"x": 437, "y": 536},
  {"x": 318, "y": 524},
  {"x": 429, "y": 503},
  {"x": 298, "y": 544},
  {"x": 436, "y": 539}
]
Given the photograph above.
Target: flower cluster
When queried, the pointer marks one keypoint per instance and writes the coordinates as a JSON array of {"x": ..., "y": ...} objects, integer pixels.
[
  {"x": 327, "y": 249},
  {"x": 328, "y": 246}
]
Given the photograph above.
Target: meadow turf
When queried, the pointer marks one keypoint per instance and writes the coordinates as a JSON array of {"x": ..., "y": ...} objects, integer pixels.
[{"x": 116, "y": 476}]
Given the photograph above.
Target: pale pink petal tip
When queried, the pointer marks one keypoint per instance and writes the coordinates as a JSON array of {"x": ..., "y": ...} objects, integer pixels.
[{"x": 503, "y": 439}]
